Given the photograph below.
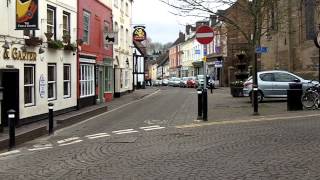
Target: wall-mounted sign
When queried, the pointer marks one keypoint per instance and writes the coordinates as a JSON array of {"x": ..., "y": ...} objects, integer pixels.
[
  {"x": 16, "y": 54},
  {"x": 110, "y": 38},
  {"x": 139, "y": 34},
  {"x": 26, "y": 14},
  {"x": 42, "y": 86}
]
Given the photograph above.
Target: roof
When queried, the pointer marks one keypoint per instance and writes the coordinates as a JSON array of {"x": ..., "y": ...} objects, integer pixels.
[
  {"x": 179, "y": 40},
  {"x": 163, "y": 58}
]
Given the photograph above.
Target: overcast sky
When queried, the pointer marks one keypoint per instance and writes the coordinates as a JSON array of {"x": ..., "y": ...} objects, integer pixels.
[{"x": 161, "y": 26}]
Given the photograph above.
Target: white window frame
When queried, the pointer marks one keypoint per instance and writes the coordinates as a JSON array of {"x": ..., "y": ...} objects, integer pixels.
[
  {"x": 54, "y": 82},
  {"x": 67, "y": 81},
  {"x": 65, "y": 14},
  {"x": 32, "y": 85},
  {"x": 127, "y": 9},
  {"x": 53, "y": 20},
  {"x": 87, "y": 80},
  {"x": 88, "y": 15}
]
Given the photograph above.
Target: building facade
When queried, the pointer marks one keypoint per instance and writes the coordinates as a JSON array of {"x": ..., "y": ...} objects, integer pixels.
[
  {"x": 94, "y": 57},
  {"x": 34, "y": 73},
  {"x": 123, "y": 49},
  {"x": 175, "y": 56}
]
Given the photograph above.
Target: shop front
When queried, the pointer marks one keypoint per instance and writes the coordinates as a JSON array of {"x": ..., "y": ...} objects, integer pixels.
[{"x": 31, "y": 80}]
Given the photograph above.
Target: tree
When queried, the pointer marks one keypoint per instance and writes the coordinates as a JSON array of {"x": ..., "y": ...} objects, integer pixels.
[{"x": 249, "y": 20}]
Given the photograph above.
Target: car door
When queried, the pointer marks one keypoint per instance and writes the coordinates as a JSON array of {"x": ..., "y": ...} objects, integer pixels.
[
  {"x": 265, "y": 83},
  {"x": 281, "y": 84}
]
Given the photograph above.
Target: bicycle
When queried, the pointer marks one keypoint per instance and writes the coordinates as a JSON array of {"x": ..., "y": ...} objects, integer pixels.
[{"x": 311, "y": 97}]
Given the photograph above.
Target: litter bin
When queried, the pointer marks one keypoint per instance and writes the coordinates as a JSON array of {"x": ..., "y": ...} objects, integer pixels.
[{"x": 294, "y": 94}]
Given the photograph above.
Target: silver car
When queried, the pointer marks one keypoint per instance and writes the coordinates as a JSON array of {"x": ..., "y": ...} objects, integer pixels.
[{"x": 274, "y": 84}]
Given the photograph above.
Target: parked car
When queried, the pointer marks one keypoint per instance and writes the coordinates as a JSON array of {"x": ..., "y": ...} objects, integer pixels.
[
  {"x": 183, "y": 81},
  {"x": 274, "y": 84},
  {"x": 171, "y": 81},
  {"x": 165, "y": 82},
  {"x": 156, "y": 83},
  {"x": 191, "y": 83},
  {"x": 200, "y": 80},
  {"x": 176, "y": 82}
]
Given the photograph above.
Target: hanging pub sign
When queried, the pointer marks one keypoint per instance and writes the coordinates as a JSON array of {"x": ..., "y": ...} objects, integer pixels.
[
  {"x": 27, "y": 14},
  {"x": 139, "y": 34}
]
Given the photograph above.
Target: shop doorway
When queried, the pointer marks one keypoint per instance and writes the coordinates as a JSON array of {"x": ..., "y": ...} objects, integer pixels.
[{"x": 10, "y": 84}]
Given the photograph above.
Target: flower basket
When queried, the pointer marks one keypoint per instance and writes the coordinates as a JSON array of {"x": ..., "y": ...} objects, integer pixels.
[
  {"x": 70, "y": 47},
  {"x": 57, "y": 44},
  {"x": 66, "y": 38},
  {"x": 33, "y": 41},
  {"x": 48, "y": 35},
  {"x": 236, "y": 89}
]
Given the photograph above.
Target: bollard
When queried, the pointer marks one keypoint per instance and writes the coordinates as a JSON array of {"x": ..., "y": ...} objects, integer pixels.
[
  {"x": 205, "y": 104},
  {"x": 199, "y": 91},
  {"x": 50, "y": 106},
  {"x": 12, "y": 132},
  {"x": 255, "y": 100}
]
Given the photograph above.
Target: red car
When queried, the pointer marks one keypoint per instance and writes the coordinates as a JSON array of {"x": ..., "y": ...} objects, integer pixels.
[{"x": 192, "y": 83}]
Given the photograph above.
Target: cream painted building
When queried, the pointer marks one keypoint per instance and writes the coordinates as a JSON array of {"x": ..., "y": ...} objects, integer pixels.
[
  {"x": 32, "y": 74},
  {"x": 186, "y": 61},
  {"x": 122, "y": 50}
]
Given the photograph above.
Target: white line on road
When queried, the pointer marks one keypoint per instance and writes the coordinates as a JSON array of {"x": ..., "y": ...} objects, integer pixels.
[
  {"x": 72, "y": 142},
  {"x": 124, "y": 130},
  {"x": 40, "y": 148},
  {"x": 41, "y": 145},
  {"x": 147, "y": 127},
  {"x": 154, "y": 128},
  {"x": 10, "y": 152},
  {"x": 115, "y": 109},
  {"x": 99, "y": 136},
  {"x": 150, "y": 128},
  {"x": 68, "y": 139}
]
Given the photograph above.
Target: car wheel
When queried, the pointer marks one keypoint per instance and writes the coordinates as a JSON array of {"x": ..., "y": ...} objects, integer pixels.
[{"x": 260, "y": 96}]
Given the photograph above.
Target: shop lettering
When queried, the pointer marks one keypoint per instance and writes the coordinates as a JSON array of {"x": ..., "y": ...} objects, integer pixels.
[{"x": 20, "y": 55}]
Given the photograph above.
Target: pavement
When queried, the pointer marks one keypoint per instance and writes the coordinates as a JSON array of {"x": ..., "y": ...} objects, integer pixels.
[{"x": 40, "y": 128}]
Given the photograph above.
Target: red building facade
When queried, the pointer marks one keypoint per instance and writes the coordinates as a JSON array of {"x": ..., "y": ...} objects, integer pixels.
[{"x": 95, "y": 71}]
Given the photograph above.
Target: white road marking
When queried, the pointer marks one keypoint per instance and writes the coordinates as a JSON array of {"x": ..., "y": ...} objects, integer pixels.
[
  {"x": 68, "y": 139},
  {"x": 124, "y": 131},
  {"x": 115, "y": 109},
  {"x": 40, "y": 148},
  {"x": 10, "y": 152},
  {"x": 72, "y": 142},
  {"x": 100, "y": 136},
  {"x": 154, "y": 128},
  {"x": 42, "y": 145},
  {"x": 150, "y": 128},
  {"x": 147, "y": 127}
]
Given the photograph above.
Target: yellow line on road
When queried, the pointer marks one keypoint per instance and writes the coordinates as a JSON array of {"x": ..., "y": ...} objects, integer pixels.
[{"x": 201, "y": 124}]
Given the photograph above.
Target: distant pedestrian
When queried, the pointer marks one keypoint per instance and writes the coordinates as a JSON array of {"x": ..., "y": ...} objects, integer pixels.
[{"x": 211, "y": 84}]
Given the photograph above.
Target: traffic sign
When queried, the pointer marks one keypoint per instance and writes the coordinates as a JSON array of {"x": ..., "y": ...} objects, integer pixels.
[
  {"x": 261, "y": 50},
  {"x": 204, "y": 34}
]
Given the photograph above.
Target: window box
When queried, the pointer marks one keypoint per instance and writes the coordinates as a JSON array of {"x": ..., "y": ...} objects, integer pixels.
[
  {"x": 56, "y": 44},
  {"x": 33, "y": 41},
  {"x": 70, "y": 47}
]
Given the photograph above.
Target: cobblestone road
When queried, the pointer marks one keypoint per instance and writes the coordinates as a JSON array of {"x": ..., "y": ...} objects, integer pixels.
[{"x": 118, "y": 146}]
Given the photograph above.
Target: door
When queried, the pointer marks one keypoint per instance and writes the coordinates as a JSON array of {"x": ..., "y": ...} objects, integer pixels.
[
  {"x": 101, "y": 85},
  {"x": 10, "y": 83},
  {"x": 281, "y": 84},
  {"x": 266, "y": 84}
]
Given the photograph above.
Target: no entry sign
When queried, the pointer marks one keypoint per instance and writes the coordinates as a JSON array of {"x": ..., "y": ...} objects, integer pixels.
[{"x": 204, "y": 34}]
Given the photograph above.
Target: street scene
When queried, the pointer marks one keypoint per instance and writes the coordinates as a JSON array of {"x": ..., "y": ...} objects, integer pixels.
[{"x": 160, "y": 89}]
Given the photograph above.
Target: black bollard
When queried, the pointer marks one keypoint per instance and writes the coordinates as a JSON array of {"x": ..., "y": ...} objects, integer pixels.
[
  {"x": 205, "y": 104},
  {"x": 12, "y": 130},
  {"x": 50, "y": 118},
  {"x": 199, "y": 92},
  {"x": 255, "y": 100}
]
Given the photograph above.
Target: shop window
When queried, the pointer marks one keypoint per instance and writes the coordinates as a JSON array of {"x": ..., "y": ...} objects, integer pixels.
[
  {"x": 29, "y": 89},
  {"x": 108, "y": 78},
  {"x": 86, "y": 26},
  {"x": 52, "y": 81},
  {"x": 86, "y": 80},
  {"x": 51, "y": 20},
  {"x": 66, "y": 23},
  {"x": 66, "y": 80}
]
